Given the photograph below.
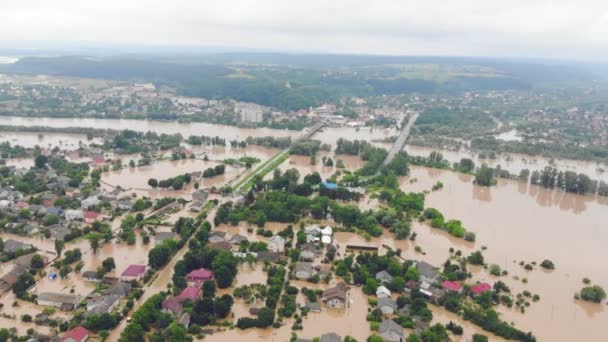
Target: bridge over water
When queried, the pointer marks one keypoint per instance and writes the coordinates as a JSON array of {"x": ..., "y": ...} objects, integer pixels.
[{"x": 400, "y": 142}]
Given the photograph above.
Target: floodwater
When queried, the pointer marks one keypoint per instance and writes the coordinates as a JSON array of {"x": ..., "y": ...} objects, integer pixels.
[
  {"x": 514, "y": 163},
  {"x": 137, "y": 177},
  {"x": 519, "y": 222},
  {"x": 65, "y": 141},
  {"x": 167, "y": 127}
]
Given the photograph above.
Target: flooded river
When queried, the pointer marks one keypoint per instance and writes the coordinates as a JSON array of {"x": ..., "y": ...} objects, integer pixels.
[{"x": 328, "y": 135}]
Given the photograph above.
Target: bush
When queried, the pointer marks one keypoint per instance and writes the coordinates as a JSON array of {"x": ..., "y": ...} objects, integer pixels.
[
  {"x": 495, "y": 270},
  {"x": 593, "y": 294},
  {"x": 547, "y": 264}
]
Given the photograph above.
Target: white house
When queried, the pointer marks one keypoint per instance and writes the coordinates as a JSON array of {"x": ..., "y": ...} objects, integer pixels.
[
  {"x": 383, "y": 292},
  {"x": 276, "y": 244},
  {"x": 326, "y": 234}
]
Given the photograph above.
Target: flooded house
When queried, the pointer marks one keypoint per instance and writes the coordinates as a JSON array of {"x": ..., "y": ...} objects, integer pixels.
[
  {"x": 160, "y": 237},
  {"x": 391, "y": 331},
  {"x": 384, "y": 277},
  {"x": 13, "y": 246},
  {"x": 335, "y": 297},
  {"x": 64, "y": 301},
  {"x": 174, "y": 304},
  {"x": 308, "y": 251},
  {"x": 74, "y": 215},
  {"x": 91, "y": 276},
  {"x": 78, "y": 334},
  {"x": 428, "y": 273},
  {"x": 303, "y": 270},
  {"x": 387, "y": 305},
  {"x": 90, "y": 217},
  {"x": 102, "y": 304},
  {"x": 330, "y": 337},
  {"x": 480, "y": 288},
  {"x": 200, "y": 195},
  {"x": 218, "y": 236},
  {"x": 452, "y": 286},
  {"x": 276, "y": 244},
  {"x": 199, "y": 276},
  {"x": 383, "y": 292},
  {"x": 133, "y": 272},
  {"x": 237, "y": 239}
]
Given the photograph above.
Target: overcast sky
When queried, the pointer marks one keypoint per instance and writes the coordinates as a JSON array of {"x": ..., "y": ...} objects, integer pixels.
[{"x": 523, "y": 28}]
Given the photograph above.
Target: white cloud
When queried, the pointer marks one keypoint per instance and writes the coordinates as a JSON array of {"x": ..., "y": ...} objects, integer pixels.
[{"x": 532, "y": 28}]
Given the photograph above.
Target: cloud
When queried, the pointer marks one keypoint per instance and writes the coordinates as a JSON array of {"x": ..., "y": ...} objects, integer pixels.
[{"x": 538, "y": 28}]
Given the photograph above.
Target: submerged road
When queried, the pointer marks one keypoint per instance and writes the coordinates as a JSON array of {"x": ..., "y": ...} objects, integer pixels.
[{"x": 400, "y": 142}]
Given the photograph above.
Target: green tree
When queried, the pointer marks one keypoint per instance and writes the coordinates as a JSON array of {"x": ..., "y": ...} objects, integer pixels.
[
  {"x": 41, "y": 161},
  {"x": 59, "y": 246},
  {"x": 152, "y": 182},
  {"x": 94, "y": 242},
  {"x": 485, "y": 176}
]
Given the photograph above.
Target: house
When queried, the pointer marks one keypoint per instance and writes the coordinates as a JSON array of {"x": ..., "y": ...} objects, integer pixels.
[
  {"x": 323, "y": 270},
  {"x": 268, "y": 256},
  {"x": 59, "y": 232},
  {"x": 308, "y": 251},
  {"x": 384, "y": 277},
  {"x": 174, "y": 304},
  {"x": 313, "y": 306},
  {"x": 200, "y": 195},
  {"x": 53, "y": 211},
  {"x": 196, "y": 207},
  {"x": 48, "y": 199},
  {"x": 276, "y": 244},
  {"x": 59, "y": 300},
  {"x": 326, "y": 234},
  {"x": 26, "y": 260},
  {"x": 222, "y": 245},
  {"x": 162, "y": 236},
  {"x": 383, "y": 292},
  {"x": 430, "y": 291},
  {"x": 89, "y": 202},
  {"x": 480, "y": 288},
  {"x": 200, "y": 275},
  {"x": 120, "y": 288},
  {"x": 37, "y": 209},
  {"x": 303, "y": 270},
  {"x": 91, "y": 276},
  {"x": 133, "y": 272},
  {"x": 313, "y": 230},
  {"x": 184, "y": 319},
  {"x": 387, "y": 306},
  {"x": 236, "y": 239},
  {"x": 454, "y": 286},
  {"x": 335, "y": 297},
  {"x": 90, "y": 216},
  {"x": 391, "y": 331},
  {"x": 103, "y": 304},
  {"x": 428, "y": 273},
  {"x": 125, "y": 204},
  {"x": 330, "y": 337},
  {"x": 217, "y": 236},
  {"x": 73, "y": 215},
  {"x": 78, "y": 334},
  {"x": 12, "y": 246}
]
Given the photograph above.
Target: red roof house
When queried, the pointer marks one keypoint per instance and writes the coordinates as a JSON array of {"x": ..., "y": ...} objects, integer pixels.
[
  {"x": 133, "y": 272},
  {"x": 175, "y": 304},
  {"x": 22, "y": 205},
  {"x": 99, "y": 160},
  {"x": 200, "y": 275},
  {"x": 454, "y": 286},
  {"x": 90, "y": 216},
  {"x": 78, "y": 334},
  {"x": 481, "y": 288}
]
